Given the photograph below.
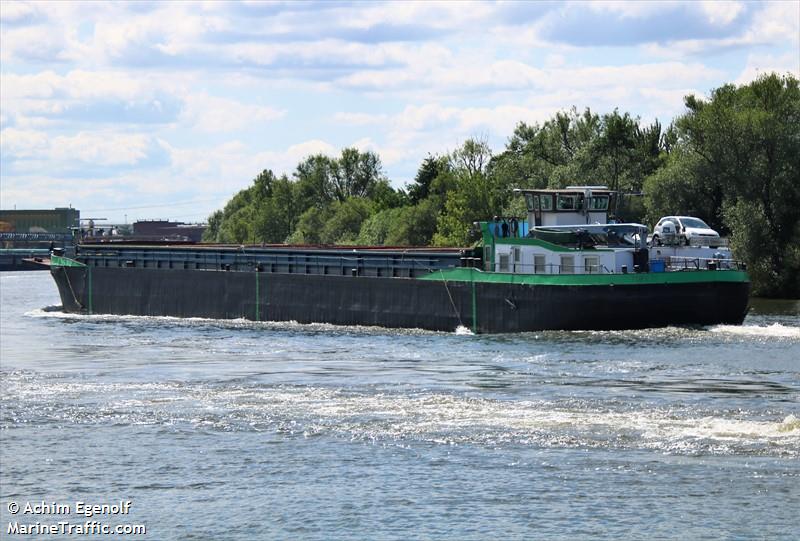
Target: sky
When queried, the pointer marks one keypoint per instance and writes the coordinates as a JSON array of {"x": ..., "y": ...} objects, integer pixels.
[{"x": 150, "y": 110}]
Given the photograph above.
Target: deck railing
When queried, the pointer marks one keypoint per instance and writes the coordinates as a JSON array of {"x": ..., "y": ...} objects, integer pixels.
[
  {"x": 678, "y": 263},
  {"x": 361, "y": 264}
]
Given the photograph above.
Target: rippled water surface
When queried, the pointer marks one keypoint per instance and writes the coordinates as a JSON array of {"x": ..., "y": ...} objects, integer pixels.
[{"x": 241, "y": 430}]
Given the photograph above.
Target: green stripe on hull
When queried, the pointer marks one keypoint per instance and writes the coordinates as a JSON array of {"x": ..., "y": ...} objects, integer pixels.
[
  {"x": 59, "y": 261},
  {"x": 677, "y": 277}
]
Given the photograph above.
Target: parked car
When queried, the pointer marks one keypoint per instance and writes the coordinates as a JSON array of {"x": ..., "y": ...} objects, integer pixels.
[{"x": 684, "y": 230}]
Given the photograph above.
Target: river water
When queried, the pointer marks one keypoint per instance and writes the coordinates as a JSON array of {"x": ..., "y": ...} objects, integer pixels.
[{"x": 240, "y": 430}]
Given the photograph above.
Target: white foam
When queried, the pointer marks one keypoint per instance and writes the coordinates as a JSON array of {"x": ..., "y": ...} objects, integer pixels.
[
  {"x": 58, "y": 313},
  {"x": 790, "y": 424},
  {"x": 461, "y": 330},
  {"x": 776, "y": 330},
  {"x": 430, "y": 416}
]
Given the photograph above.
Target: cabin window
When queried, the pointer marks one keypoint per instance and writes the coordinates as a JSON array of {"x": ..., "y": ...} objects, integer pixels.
[
  {"x": 504, "y": 262},
  {"x": 538, "y": 263},
  {"x": 546, "y": 202},
  {"x": 535, "y": 202},
  {"x": 566, "y": 202},
  {"x": 531, "y": 201},
  {"x": 517, "y": 258},
  {"x": 591, "y": 264},
  {"x": 598, "y": 202},
  {"x": 567, "y": 264}
]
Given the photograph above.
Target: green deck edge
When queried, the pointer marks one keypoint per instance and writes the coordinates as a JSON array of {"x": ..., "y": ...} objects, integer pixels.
[
  {"x": 60, "y": 261},
  {"x": 676, "y": 277}
]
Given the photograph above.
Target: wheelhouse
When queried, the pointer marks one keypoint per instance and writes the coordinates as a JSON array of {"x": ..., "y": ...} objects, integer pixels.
[{"x": 568, "y": 206}]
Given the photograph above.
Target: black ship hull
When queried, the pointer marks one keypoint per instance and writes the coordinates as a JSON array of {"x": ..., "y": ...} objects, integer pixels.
[{"x": 484, "y": 307}]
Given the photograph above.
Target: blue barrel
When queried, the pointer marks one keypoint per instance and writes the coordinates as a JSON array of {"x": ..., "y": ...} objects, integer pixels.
[{"x": 656, "y": 265}]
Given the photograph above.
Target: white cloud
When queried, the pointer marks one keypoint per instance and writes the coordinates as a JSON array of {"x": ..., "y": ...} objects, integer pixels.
[
  {"x": 360, "y": 119},
  {"x": 776, "y": 22},
  {"x": 435, "y": 14},
  {"x": 761, "y": 64},
  {"x": 214, "y": 114},
  {"x": 80, "y": 97},
  {"x": 22, "y": 143},
  {"x": 38, "y": 43},
  {"x": 434, "y": 128},
  {"x": 85, "y": 149},
  {"x": 626, "y": 8},
  {"x": 233, "y": 165},
  {"x": 79, "y": 85},
  {"x": 508, "y": 75},
  {"x": 13, "y": 12},
  {"x": 721, "y": 12},
  {"x": 101, "y": 148}
]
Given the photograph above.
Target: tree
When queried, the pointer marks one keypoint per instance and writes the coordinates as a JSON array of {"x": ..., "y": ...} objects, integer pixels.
[
  {"x": 354, "y": 174},
  {"x": 277, "y": 214},
  {"x": 429, "y": 170},
  {"x": 613, "y": 151},
  {"x": 473, "y": 197}
]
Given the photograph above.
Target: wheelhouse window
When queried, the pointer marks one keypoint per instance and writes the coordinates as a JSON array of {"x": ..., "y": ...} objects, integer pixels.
[
  {"x": 598, "y": 202},
  {"x": 546, "y": 202},
  {"x": 535, "y": 202},
  {"x": 531, "y": 201},
  {"x": 566, "y": 202}
]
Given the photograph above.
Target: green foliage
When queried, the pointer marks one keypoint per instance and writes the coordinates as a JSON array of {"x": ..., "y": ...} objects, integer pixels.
[
  {"x": 211, "y": 234},
  {"x": 415, "y": 225},
  {"x": 375, "y": 229},
  {"x": 548, "y": 155},
  {"x": 751, "y": 236},
  {"x": 309, "y": 226},
  {"x": 344, "y": 223},
  {"x": 674, "y": 189},
  {"x": 323, "y": 180},
  {"x": 432, "y": 167},
  {"x": 474, "y": 197}
]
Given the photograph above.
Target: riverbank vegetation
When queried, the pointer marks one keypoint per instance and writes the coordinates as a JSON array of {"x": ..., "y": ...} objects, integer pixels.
[{"x": 732, "y": 159}]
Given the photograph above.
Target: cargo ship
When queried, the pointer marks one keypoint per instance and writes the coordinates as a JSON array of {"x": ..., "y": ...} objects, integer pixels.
[{"x": 563, "y": 267}]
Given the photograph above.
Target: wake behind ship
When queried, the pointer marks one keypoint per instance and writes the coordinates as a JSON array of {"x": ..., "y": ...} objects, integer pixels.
[{"x": 563, "y": 268}]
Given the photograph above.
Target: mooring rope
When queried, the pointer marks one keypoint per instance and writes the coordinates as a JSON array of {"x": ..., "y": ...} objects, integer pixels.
[
  {"x": 69, "y": 283},
  {"x": 452, "y": 302}
]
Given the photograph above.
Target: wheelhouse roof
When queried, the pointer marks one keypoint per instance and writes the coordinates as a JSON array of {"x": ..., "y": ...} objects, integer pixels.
[{"x": 596, "y": 190}]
